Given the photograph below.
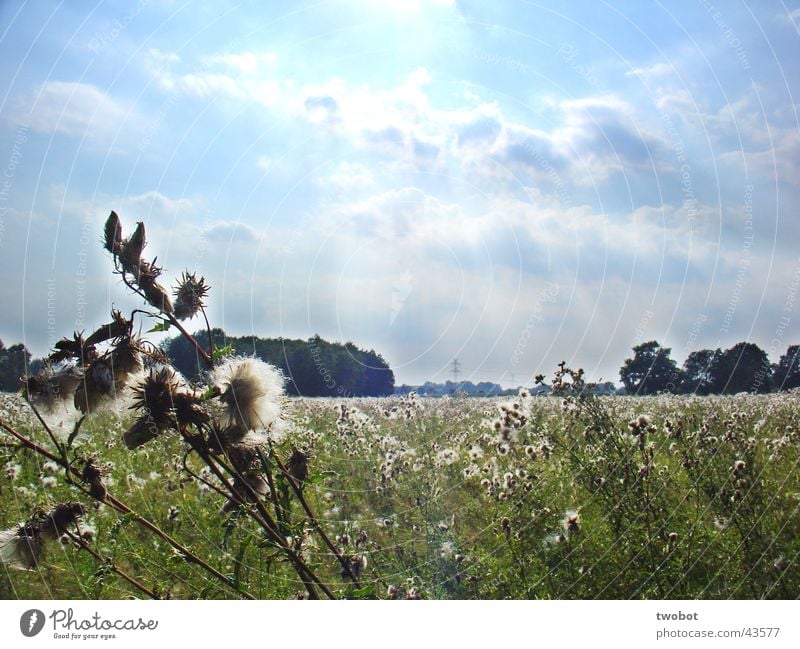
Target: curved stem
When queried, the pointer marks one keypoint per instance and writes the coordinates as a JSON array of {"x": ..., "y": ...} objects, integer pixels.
[
  {"x": 123, "y": 508},
  {"x": 83, "y": 545}
]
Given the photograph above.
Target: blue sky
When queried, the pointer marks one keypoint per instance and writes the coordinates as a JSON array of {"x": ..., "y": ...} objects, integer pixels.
[{"x": 509, "y": 183}]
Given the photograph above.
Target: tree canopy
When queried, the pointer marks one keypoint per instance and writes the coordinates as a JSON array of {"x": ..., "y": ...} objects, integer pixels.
[
  {"x": 650, "y": 371},
  {"x": 13, "y": 366},
  {"x": 313, "y": 367}
]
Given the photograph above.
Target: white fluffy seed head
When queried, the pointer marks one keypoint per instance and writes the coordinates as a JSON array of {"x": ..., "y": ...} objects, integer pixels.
[{"x": 252, "y": 392}]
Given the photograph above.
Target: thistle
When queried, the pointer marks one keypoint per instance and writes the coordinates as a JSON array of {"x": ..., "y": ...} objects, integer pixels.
[
  {"x": 252, "y": 393},
  {"x": 22, "y": 547},
  {"x": 189, "y": 295}
]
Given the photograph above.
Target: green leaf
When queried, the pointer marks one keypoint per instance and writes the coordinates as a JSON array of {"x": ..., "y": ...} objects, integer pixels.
[
  {"x": 222, "y": 352},
  {"x": 161, "y": 326},
  {"x": 317, "y": 477},
  {"x": 365, "y": 592}
]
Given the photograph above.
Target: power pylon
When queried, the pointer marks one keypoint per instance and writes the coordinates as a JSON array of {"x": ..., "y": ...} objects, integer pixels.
[{"x": 455, "y": 370}]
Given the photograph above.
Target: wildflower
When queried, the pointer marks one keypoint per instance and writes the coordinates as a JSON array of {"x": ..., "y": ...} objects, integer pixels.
[
  {"x": 571, "y": 522},
  {"x": 446, "y": 550},
  {"x": 356, "y": 563},
  {"x": 50, "y": 466},
  {"x": 11, "y": 470},
  {"x": 93, "y": 476},
  {"x": 107, "y": 376},
  {"x": 251, "y": 390},
  {"x": 87, "y": 532},
  {"x": 173, "y": 513},
  {"x": 297, "y": 465},
  {"x": 189, "y": 296},
  {"x": 49, "y": 482},
  {"x": 22, "y": 547},
  {"x": 165, "y": 403}
]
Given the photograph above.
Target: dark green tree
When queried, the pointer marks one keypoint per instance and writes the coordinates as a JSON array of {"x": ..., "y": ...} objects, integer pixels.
[
  {"x": 313, "y": 367},
  {"x": 14, "y": 362},
  {"x": 650, "y": 371},
  {"x": 787, "y": 371},
  {"x": 698, "y": 372},
  {"x": 744, "y": 367}
]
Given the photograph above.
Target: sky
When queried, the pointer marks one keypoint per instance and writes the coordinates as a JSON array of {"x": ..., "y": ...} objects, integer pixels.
[{"x": 511, "y": 183}]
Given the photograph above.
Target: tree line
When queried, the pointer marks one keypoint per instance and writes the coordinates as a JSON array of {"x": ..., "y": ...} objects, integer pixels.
[
  {"x": 316, "y": 367},
  {"x": 745, "y": 367},
  {"x": 313, "y": 367}
]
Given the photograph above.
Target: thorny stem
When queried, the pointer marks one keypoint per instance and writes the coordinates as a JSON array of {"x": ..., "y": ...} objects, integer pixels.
[
  {"x": 53, "y": 439},
  {"x": 123, "y": 508},
  {"x": 83, "y": 545},
  {"x": 312, "y": 519},
  {"x": 272, "y": 490},
  {"x": 264, "y": 519},
  {"x": 203, "y": 353},
  {"x": 208, "y": 331},
  {"x": 172, "y": 320}
]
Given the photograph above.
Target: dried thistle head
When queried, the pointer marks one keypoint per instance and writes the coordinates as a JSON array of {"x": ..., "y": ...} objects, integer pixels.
[
  {"x": 125, "y": 359},
  {"x": 20, "y": 548},
  {"x": 243, "y": 457},
  {"x": 254, "y": 481},
  {"x": 189, "y": 295},
  {"x": 117, "y": 328},
  {"x": 113, "y": 234},
  {"x": 107, "y": 375},
  {"x": 297, "y": 465},
  {"x": 154, "y": 396},
  {"x": 164, "y": 403},
  {"x": 96, "y": 384},
  {"x": 128, "y": 261},
  {"x": 154, "y": 293},
  {"x": 92, "y": 475},
  {"x": 74, "y": 348},
  {"x": 52, "y": 385},
  {"x": 252, "y": 392},
  {"x": 59, "y": 518},
  {"x": 132, "y": 247}
]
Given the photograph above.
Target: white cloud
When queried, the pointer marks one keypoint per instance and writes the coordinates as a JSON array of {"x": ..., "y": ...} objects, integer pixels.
[
  {"x": 76, "y": 109},
  {"x": 655, "y": 71},
  {"x": 246, "y": 63}
]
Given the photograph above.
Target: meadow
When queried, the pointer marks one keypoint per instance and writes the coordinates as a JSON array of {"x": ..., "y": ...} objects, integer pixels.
[{"x": 562, "y": 497}]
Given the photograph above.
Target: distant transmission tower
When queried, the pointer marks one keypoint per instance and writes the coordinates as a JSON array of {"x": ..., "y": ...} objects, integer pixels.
[{"x": 456, "y": 370}]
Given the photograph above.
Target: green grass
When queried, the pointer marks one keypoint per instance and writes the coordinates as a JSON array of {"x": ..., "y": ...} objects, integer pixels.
[{"x": 661, "y": 514}]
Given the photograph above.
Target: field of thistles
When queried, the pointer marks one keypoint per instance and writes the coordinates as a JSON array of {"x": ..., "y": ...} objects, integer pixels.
[
  {"x": 533, "y": 497},
  {"x": 120, "y": 479}
]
